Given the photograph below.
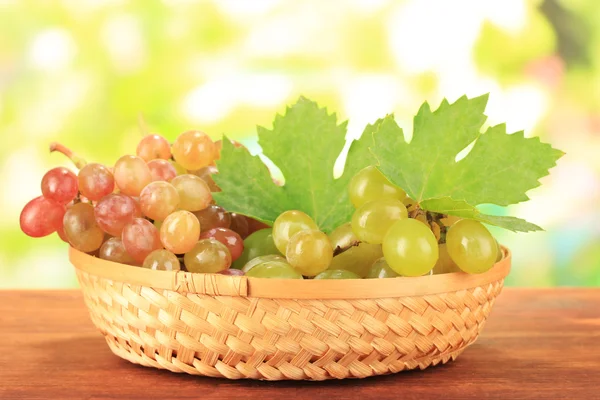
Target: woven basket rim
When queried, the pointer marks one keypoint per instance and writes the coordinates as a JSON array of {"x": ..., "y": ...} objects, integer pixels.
[{"x": 217, "y": 284}]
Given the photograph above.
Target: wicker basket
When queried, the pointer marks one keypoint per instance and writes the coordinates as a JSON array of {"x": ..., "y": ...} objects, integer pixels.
[{"x": 238, "y": 327}]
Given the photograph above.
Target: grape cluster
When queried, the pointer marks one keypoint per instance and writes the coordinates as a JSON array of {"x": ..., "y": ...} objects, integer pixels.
[
  {"x": 154, "y": 210},
  {"x": 389, "y": 236}
]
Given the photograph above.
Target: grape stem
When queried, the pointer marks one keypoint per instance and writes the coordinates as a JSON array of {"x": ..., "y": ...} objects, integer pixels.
[
  {"x": 414, "y": 211},
  {"x": 430, "y": 218},
  {"x": 339, "y": 250},
  {"x": 437, "y": 226},
  {"x": 77, "y": 160}
]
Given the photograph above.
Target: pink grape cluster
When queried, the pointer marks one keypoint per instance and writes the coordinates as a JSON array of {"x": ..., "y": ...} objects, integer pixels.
[{"x": 153, "y": 210}]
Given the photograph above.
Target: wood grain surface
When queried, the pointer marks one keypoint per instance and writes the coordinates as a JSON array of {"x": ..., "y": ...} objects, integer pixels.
[{"x": 537, "y": 344}]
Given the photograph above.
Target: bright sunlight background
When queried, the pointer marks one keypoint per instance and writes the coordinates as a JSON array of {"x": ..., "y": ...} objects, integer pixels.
[{"x": 80, "y": 72}]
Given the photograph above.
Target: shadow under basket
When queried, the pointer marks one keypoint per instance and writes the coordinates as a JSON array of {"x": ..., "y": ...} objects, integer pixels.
[{"x": 272, "y": 329}]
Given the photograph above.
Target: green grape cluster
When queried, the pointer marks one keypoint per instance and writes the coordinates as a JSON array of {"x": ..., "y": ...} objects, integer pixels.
[
  {"x": 292, "y": 249},
  {"x": 383, "y": 240},
  {"x": 412, "y": 245}
]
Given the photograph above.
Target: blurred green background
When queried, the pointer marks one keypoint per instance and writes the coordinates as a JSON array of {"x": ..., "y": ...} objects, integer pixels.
[{"x": 81, "y": 71}]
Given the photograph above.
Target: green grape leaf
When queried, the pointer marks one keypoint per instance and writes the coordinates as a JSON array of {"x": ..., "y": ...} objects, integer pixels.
[
  {"x": 304, "y": 144},
  {"x": 499, "y": 168},
  {"x": 461, "y": 209}
]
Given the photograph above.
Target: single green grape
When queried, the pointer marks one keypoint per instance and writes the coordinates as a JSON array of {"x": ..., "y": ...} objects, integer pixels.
[
  {"x": 162, "y": 260},
  {"x": 372, "y": 220},
  {"x": 194, "y": 193},
  {"x": 180, "y": 231},
  {"x": 369, "y": 184},
  {"x": 410, "y": 247},
  {"x": 357, "y": 259},
  {"x": 81, "y": 228},
  {"x": 259, "y": 243},
  {"x": 444, "y": 264},
  {"x": 381, "y": 269},
  {"x": 343, "y": 237},
  {"x": 208, "y": 256},
  {"x": 471, "y": 246},
  {"x": 289, "y": 223},
  {"x": 274, "y": 270},
  {"x": 262, "y": 259},
  {"x": 337, "y": 274},
  {"x": 309, "y": 252}
]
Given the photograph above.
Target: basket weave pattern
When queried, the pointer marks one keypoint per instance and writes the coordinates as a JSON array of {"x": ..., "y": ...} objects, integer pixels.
[{"x": 263, "y": 338}]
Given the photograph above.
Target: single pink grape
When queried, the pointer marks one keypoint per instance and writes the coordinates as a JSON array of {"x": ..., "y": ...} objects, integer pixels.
[
  {"x": 152, "y": 147},
  {"x": 194, "y": 150},
  {"x": 113, "y": 250},
  {"x": 158, "y": 200},
  {"x": 41, "y": 217},
  {"x": 95, "y": 181},
  {"x": 115, "y": 211},
  {"x": 131, "y": 175},
  {"x": 162, "y": 170},
  {"x": 60, "y": 184},
  {"x": 213, "y": 216},
  {"x": 140, "y": 238}
]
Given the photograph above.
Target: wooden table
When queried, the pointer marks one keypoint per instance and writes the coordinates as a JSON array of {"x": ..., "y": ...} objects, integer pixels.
[{"x": 537, "y": 344}]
